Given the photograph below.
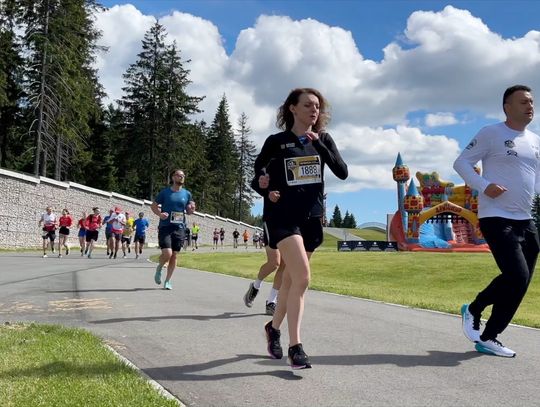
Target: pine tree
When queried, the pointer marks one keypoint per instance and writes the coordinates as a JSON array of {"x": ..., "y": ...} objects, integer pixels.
[
  {"x": 352, "y": 221},
  {"x": 156, "y": 108},
  {"x": 346, "y": 220},
  {"x": 246, "y": 152},
  {"x": 108, "y": 131},
  {"x": 63, "y": 90},
  {"x": 11, "y": 77},
  {"x": 336, "y": 220},
  {"x": 223, "y": 160}
]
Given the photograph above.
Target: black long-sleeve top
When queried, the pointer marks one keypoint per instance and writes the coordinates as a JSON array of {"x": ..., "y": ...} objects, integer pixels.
[{"x": 297, "y": 172}]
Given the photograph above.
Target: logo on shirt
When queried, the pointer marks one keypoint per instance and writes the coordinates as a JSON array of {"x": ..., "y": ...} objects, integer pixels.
[
  {"x": 509, "y": 143},
  {"x": 471, "y": 144}
]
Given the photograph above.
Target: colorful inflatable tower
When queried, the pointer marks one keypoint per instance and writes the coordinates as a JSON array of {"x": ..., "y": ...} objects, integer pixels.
[
  {"x": 413, "y": 205},
  {"x": 401, "y": 175}
]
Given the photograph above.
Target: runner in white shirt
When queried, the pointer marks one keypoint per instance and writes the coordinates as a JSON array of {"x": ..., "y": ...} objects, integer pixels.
[
  {"x": 510, "y": 156},
  {"x": 118, "y": 221},
  {"x": 49, "y": 221}
]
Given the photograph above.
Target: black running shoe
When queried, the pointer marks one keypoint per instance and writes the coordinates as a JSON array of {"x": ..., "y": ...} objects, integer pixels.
[
  {"x": 270, "y": 308},
  {"x": 110, "y": 255},
  {"x": 129, "y": 250},
  {"x": 272, "y": 337},
  {"x": 298, "y": 358},
  {"x": 250, "y": 295}
]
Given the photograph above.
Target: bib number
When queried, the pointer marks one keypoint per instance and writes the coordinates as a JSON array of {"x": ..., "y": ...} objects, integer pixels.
[
  {"x": 303, "y": 170},
  {"x": 177, "y": 217}
]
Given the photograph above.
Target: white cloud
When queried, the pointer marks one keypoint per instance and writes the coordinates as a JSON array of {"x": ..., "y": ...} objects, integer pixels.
[
  {"x": 445, "y": 62},
  {"x": 371, "y": 154},
  {"x": 123, "y": 28},
  {"x": 440, "y": 119}
]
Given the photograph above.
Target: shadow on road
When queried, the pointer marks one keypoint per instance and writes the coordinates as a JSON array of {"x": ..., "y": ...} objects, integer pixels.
[
  {"x": 433, "y": 358},
  {"x": 225, "y": 315},
  {"x": 105, "y": 290},
  {"x": 187, "y": 372}
]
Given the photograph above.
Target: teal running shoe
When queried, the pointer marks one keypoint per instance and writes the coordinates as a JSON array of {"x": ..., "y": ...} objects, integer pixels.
[
  {"x": 168, "y": 285},
  {"x": 157, "y": 276}
]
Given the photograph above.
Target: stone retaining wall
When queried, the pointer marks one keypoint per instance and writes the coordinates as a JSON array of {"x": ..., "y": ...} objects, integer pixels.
[{"x": 23, "y": 199}]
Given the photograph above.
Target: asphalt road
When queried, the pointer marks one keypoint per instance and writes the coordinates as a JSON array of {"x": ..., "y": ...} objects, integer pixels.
[{"x": 201, "y": 343}]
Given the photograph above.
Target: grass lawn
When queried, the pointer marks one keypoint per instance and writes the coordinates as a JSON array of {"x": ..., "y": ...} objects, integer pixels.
[
  {"x": 437, "y": 281},
  {"x": 368, "y": 234},
  {"x": 48, "y": 365}
]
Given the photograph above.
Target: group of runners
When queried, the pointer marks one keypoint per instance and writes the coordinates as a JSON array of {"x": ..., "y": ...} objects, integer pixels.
[
  {"x": 120, "y": 228},
  {"x": 289, "y": 175}
]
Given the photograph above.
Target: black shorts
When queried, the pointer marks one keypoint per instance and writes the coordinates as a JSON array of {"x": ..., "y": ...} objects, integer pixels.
[
  {"x": 171, "y": 237},
  {"x": 139, "y": 239},
  {"x": 48, "y": 234},
  {"x": 64, "y": 231},
  {"x": 194, "y": 237},
  {"x": 117, "y": 236},
  {"x": 92, "y": 235},
  {"x": 108, "y": 234},
  {"x": 310, "y": 229},
  {"x": 126, "y": 239}
]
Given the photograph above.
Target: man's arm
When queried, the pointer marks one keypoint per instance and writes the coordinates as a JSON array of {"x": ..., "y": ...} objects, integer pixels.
[{"x": 157, "y": 211}]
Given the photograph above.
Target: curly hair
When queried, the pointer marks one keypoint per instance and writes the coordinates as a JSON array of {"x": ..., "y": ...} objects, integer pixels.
[{"x": 285, "y": 118}]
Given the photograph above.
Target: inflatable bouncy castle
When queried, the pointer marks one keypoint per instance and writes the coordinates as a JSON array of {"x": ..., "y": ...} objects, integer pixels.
[{"x": 436, "y": 215}]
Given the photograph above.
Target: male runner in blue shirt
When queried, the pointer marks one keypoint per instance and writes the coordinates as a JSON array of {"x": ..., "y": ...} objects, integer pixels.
[{"x": 171, "y": 205}]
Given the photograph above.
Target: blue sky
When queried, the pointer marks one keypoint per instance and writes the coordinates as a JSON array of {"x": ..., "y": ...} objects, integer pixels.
[{"x": 416, "y": 77}]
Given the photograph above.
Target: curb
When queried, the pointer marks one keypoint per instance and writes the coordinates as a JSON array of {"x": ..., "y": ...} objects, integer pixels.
[{"x": 160, "y": 389}]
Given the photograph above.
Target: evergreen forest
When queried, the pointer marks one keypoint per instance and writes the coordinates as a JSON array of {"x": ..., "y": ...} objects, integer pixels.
[{"x": 54, "y": 123}]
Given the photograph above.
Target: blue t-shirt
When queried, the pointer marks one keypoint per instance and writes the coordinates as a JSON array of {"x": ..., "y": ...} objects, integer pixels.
[
  {"x": 141, "y": 224},
  {"x": 174, "y": 203},
  {"x": 108, "y": 226}
]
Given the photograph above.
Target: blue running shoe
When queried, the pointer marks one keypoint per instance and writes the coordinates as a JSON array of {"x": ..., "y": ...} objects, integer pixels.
[
  {"x": 167, "y": 285},
  {"x": 157, "y": 276},
  {"x": 494, "y": 347}
]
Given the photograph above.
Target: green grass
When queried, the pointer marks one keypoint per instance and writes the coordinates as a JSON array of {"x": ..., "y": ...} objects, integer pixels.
[
  {"x": 436, "y": 281},
  {"x": 48, "y": 365},
  {"x": 368, "y": 234}
]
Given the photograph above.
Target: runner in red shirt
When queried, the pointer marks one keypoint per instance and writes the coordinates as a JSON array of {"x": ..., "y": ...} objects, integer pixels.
[
  {"x": 65, "y": 223},
  {"x": 93, "y": 224},
  {"x": 82, "y": 232}
]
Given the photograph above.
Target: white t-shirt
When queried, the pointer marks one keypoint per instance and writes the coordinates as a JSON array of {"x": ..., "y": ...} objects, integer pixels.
[
  {"x": 118, "y": 221},
  {"x": 510, "y": 158},
  {"x": 48, "y": 220}
]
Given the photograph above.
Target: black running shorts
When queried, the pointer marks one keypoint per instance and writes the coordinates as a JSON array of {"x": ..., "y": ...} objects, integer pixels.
[
  {"x": 49, "y": 234},
  {"x": 64, "y": 231},
  {"x": 310, "y": 229},
  {"x": 139, "y": 239},
  {"x": 171, "y": 237},
  {"x": 92, "y": 235}
]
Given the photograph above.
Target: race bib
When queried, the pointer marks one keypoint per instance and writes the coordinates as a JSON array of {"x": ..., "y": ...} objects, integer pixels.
[
  {"x": 303, "y": 170},
  {"x": 177, "y": 217}
]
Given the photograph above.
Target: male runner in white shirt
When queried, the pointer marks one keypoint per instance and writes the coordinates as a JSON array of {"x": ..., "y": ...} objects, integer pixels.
[{"x": 510, "y": 156}]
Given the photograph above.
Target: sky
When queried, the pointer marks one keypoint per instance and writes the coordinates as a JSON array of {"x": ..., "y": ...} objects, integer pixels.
[{"x": 418, "y": 78}]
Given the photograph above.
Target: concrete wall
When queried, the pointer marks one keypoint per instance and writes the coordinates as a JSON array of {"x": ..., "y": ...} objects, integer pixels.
[{"x": 23, "y": 199}]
